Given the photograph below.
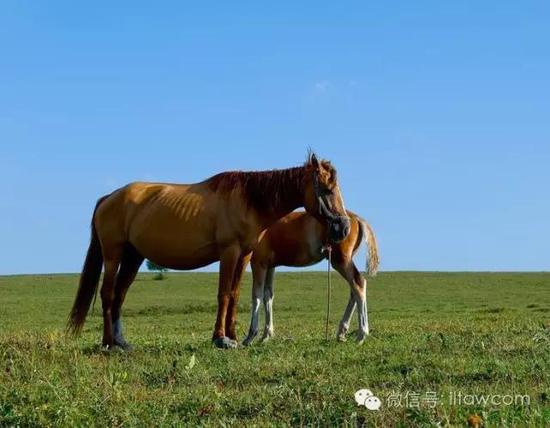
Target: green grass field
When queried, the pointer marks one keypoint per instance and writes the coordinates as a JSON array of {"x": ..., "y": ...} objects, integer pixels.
[{"x": 438, "y": 334}]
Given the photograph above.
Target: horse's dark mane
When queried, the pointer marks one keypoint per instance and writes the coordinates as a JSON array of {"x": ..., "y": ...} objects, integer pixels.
[{"x": 272, "y": 190}]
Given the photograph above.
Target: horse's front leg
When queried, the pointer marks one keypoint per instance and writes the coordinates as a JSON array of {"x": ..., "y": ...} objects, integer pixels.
[
  {"x": 229, "y": 261},
  {"x": 231, "y": 316}
]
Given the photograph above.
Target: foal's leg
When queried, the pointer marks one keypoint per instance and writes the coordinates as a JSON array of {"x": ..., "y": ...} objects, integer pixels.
[
  {"x": 344, "y": 323},
  {"x": 129, "y": 266},
  {"x": 228, "y": 263},
  {"x": 258, "y": 274},
  {"x": 268, "y": 304},
  {"x": 363, "y": 314},
  {"x": 111, "y": 262},
  {"x": 358, "y": 288},
  {"x": 231, "y": 316}
]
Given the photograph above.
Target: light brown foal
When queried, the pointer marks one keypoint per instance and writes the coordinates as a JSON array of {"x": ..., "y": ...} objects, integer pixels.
[
  {"x": 298, "y": 239},
  {"x": 186, "y": 226}
]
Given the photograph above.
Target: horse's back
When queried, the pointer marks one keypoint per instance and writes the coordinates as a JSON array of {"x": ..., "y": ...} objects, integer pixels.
[
  {"x": 122, "y": 205},
  {"x": 171, "y": 224}
]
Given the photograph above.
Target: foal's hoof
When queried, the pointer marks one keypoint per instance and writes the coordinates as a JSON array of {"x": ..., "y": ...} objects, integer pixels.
[
  {"x": 341, "y": 338},
  {"x": 268, "y": 334},
  {"x": 361, "y": 338},
  {"x": 225, "y": 343},
  {"x": 247, "y": 341}
]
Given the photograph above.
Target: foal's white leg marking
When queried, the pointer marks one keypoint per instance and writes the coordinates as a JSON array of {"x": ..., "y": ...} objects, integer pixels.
[
  {"x": 362, "y": 315},
  {"x": 344, "y": 323},
  {"x": 268, "y": 303},
  {"x": 254, "y": 320},
  {"x": 257, "y": 294}
]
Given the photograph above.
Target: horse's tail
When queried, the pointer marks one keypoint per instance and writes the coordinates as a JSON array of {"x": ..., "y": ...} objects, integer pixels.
[
  {"x": 89, "y": 280},
  {"x": 367, "y": 234}
]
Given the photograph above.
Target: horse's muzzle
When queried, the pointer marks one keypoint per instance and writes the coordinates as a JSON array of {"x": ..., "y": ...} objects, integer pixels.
[{"x": 339, "y": 228}]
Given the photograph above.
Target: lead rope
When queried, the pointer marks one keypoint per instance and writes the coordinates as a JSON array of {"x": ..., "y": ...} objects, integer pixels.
[{"x": 329, "y": 258}]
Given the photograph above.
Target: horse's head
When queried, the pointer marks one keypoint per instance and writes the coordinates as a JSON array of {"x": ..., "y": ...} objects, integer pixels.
[{"x": 322, "y": 197}]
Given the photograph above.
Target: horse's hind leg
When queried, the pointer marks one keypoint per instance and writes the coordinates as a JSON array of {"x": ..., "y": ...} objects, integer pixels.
[
  {"x": 129, "y": 266},
  {"x": 111, "y": 262},
  {"x": 258, "y": 274},
  {"x": 268, "y": 304}
]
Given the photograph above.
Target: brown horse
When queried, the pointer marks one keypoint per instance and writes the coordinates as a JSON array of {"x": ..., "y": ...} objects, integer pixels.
[
  {"x": 186, "y": 226},
  {"x": 298, "y": 239}
]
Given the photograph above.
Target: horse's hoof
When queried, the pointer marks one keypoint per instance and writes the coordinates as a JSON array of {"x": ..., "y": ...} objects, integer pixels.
[
  {"x": 110, "y": 349},
  {"x": 247, "y": 341},
  {"x": 125, "y": 346},
  {"x": 341, "y": 338},
  {"x": 266, "y": 337},
  {"x": 361, "y": 338},
  {"x": 225, "y": 343}
]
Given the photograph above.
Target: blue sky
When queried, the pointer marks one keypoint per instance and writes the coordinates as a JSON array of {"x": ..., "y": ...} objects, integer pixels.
[{"x": 435, "y": 113}]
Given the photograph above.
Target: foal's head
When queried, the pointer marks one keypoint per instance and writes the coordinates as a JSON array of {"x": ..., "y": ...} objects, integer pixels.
[{"x": 323, "y": 199}]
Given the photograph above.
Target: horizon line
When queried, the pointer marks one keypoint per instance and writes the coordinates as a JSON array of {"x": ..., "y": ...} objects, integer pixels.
[{"x": 297, "y": 271}]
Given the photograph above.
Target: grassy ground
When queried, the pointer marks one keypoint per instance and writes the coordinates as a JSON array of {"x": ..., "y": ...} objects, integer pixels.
[{"x": 438, "y": 334}]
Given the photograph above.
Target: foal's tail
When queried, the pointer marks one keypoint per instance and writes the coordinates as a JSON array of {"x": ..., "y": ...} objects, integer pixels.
[
  {"x": 372, "y": 247},
  {"x": 89, "y": 280}
]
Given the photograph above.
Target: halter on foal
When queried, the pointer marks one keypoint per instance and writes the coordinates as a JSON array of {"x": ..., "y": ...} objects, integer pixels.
[{"x": 187, "y": 226}]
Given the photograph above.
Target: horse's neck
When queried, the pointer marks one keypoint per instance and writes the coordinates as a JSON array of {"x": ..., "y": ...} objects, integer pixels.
[
  {"x": 271, "y": 194},
  {"x": 278, "y": 213},
  {"x": 286, "y": 195}
]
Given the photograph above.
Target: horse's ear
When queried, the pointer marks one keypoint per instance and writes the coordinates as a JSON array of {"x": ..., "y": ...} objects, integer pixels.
[{"x": 313, "y": 161}]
